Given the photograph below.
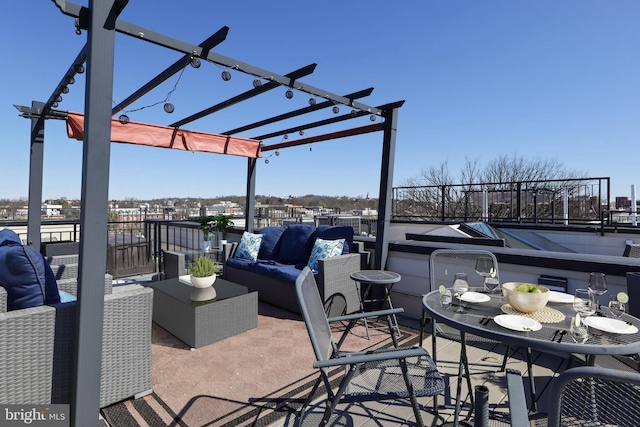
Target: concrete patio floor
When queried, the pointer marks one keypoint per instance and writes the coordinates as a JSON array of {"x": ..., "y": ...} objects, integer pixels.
[{"x": 484, "y": 359}]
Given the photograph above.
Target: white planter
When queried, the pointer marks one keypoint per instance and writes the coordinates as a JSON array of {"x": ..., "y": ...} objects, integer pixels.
[
  {"x": 202, "y": 282},
  {"x": 206, "y": 246}
]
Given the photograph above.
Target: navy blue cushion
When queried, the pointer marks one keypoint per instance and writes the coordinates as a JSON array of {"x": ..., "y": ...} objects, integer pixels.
[
  {"x": 296, "y": 243},
  {"x": 270, "y": 242},
  {"x": 240, "y": 263},
  {"x": 25, "y": 274},
  {"x": 329, "y": 232},
  {"x": 283, "y": 272}
]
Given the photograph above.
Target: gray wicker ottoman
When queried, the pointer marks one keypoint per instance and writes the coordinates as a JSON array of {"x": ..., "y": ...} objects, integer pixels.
[{"x": 198, "y": 323}]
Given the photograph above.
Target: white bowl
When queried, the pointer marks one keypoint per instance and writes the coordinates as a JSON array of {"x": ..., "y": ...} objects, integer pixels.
[
  {"x": 525, "y": 302},
  {"x": 203, "y": 282}
]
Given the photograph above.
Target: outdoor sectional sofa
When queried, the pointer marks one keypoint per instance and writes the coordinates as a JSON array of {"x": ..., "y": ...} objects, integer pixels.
[
  {"x": 284, "y": 251},
  {"x": 37, "y": 344}
]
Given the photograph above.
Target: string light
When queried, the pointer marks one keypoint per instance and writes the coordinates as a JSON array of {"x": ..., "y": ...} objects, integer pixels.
[
  {"x": 312, "y": 101},
  {"x": 289, "y": 94},
  {"x": 226, "y": 75},
  {"x": 257, "y": 83},
  {"x": 336, "y": 109}
]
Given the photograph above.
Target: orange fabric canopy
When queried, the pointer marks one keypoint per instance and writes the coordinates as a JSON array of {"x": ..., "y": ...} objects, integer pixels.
[{"x": 168, "y": 137}]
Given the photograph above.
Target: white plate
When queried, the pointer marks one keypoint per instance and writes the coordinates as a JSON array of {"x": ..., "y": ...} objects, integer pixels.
[
  {"x": 607, "y": 324},
  {"x": 517, "y": 323},
  {"x": 560, "y": 297},
  {"x": 475, "y": 297}
]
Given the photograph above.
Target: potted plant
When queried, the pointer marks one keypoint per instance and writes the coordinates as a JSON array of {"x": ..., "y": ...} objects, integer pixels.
[
  {"x": 222, "y": 224},
  {"x": 203, "y": 272},
  {"x": 207, "y": 225}
]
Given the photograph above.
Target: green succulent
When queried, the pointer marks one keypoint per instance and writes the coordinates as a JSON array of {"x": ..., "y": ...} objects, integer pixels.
[{"x": 203, "y": 267}]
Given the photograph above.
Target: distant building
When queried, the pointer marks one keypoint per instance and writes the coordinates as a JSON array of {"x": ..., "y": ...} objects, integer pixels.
[{"x": 623, "y": 202}]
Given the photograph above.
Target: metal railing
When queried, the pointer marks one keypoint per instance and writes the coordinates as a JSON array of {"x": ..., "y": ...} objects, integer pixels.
[{"x": 550, "y": 201}]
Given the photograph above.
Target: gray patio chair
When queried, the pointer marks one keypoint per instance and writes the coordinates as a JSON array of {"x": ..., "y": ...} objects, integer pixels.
[
  {"x": 387, "y": 374},
  {"x": 443, "y": 265},
  {"x": 583, "y": 396}
]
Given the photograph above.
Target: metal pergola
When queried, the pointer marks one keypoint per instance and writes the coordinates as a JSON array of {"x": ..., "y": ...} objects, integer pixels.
[{"x": 100, "y": 20}]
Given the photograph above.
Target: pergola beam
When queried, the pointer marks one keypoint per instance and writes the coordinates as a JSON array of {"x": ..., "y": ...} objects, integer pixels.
[
  {"x": 206, "y": 45},
  {"x": 356, "y": 95},
  {"x": 136, "y": 31},
  {"x": 304, "y": 71},
  {"x": 326, "y": 137}
]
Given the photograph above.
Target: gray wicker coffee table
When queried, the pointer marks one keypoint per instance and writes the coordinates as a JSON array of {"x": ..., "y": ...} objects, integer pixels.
[{"x": 198, "y": 323}]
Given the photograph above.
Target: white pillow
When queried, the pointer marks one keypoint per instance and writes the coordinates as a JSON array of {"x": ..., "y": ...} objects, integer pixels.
[
  {"x": 324, "y": 249},
  {"x": 249, "y": 246}
]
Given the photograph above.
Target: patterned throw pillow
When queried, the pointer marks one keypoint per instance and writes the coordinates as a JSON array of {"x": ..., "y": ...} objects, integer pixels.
[
  {"x": 324, "y": 249},
  {"x": 249, "y": 246}
]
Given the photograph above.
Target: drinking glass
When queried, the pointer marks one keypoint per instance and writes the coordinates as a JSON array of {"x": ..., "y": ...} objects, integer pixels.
[
  {"x": 491, "y": 284},
  {"x": 597, "y": 284},
  {"x": 583, "y": 302},
  {"x": 460, "y": 286},
  {"x": 616, "y": 307},
  {"x": 445, "y": 299},
  {"x": 579, "y": 330}
]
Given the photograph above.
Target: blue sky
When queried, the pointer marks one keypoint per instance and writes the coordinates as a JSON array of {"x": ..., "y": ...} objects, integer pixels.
[{"x": 538, "y": 79}]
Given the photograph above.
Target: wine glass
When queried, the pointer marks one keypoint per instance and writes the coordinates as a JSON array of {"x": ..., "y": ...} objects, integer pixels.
[
  {"x": 484, "y": 267},
  {"x": 616, "y": 307},
  {"x": 583, "y": 302},
  {"x": 597, "y": 284},
  {"x": 460, "y": 286},
  {"x": 579, "y": 330}
]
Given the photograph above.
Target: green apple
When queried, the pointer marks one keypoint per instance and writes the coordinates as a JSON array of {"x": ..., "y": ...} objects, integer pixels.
[
  {"x": 535, "y": 290},
  {"x": 523, "y": 287}
]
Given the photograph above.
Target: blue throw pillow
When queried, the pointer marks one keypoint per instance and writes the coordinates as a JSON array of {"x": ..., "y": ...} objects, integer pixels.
[
  {"x": 324, "y": 249},
  {"x": 249, "y": 246}
]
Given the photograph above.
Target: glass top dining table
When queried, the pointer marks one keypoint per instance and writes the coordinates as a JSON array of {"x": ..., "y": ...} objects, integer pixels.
[
  {"x": 478, "y": 319},
  {"x": 553, "y": 336}
]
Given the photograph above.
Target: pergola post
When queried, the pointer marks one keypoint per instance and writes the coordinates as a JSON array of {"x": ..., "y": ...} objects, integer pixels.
[
  {"x": 251, "y": 194},
  {"x": 85, "y": 404},
  {"x": 36, "y": 167},
  {"x": 386, "y": 187}
]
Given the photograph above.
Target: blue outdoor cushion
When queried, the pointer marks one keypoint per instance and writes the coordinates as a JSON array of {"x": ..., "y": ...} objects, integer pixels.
[
  {"x": 240, "y": 263},
  {"x": 282, "y": 272},
  {"x": 330, "y": 232},
  {"x": 25, "y": 274},
  {"x": 270, "y": 242},
  {"x": 296, "y": 243}
]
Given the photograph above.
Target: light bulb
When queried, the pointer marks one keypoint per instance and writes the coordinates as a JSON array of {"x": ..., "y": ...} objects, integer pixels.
[
  {"x": 70, "y": 80},
  {"x": 289, "y": 94},
  {"x": 54, "y": 105},
  {"x": 79, "y": 68},
  {"x": 336, "y": 109},
  {"x": 353, "y": 113},
  {"x": 277, "y": 153},
  {"x": 124, "y": 119},
  {"x": 285, "y": 136},
  {"x": 257, "y": 83},
  {"x": 301, "y": 132},
  {"x": 195, "y": 62},
  {"x": 266, "y": 161},
  {"x": 226, "y": 75},
  {"x": 65, "y": 89},
  {"x": 312, "y": 101},
  {"x": 169, "y": 108},
  {"x": 372, "y": 117},
  {"x": 58, "y": 98}
]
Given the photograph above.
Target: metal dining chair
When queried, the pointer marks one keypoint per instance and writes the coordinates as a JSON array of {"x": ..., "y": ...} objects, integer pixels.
[
  {"x": 386, "y": 374},
  {"x": 583, "y": 396}
]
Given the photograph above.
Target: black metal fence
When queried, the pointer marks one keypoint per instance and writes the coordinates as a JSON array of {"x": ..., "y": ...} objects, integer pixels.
[{"x": 551, "y": 201}]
